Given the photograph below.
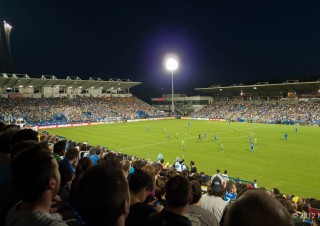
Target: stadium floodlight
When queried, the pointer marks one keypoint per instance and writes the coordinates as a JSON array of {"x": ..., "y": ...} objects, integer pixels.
[{"x": 171, "y": 65}]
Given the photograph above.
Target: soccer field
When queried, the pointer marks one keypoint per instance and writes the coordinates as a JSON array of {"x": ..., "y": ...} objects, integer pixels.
[{"x": 291, "y": 165}]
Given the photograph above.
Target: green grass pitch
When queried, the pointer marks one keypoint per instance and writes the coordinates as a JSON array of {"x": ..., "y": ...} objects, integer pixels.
[{"x": 291, "y": 165}]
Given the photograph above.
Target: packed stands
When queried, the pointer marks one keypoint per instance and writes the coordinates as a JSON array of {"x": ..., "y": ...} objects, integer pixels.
[
  {"x": 303, "y": 112},
  {"x": 64, "y": 110}
]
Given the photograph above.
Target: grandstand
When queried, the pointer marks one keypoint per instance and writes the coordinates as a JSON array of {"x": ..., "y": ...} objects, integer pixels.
[{"x": 266, "y": 91}]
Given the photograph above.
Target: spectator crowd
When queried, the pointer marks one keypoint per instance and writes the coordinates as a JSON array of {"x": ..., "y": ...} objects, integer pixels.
[
  {"x": 66, "y": 110},
  {"x": 46, "y": 180},
  {"x": 303, "y": 112}
]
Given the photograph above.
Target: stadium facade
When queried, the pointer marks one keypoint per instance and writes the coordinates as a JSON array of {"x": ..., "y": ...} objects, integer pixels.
[{"x": 6, "y": 63}]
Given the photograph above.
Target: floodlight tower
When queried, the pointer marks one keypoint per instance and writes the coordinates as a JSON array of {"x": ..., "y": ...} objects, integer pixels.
[
  {"x": 171, "y": 65},
  {"x": 6, "y": 64}
]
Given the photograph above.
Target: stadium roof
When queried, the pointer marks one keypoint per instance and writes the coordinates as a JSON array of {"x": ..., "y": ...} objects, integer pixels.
[
  {"x": 23, "y": 80},
  {"x": 263, "y": 87}
]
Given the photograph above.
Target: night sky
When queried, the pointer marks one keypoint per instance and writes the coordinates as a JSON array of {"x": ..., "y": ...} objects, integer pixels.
[{"x": 218, "y": 42}]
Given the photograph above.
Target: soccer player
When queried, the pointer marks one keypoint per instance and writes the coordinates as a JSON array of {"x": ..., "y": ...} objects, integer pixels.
[
  {"x": 221, "y": 147},
  {"x": 286, "y": 136},
  {"x": 296, "y": 129},
  {"x": 252, "y": 148},
  {"x": 182, "y": 143},
  {"x": 205, "y": 135},
  {"x": 215, "y": 138},
  {"x": 169, "y": 135},
  {"x": 165, "y": 130},
  {"x": 148, "y": 129},
  {"x": 199, "y": 136}
]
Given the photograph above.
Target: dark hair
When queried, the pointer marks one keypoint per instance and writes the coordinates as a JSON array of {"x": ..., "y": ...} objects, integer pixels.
[
  {"x": 140, "y": 179},
  {"x": 82, "y": 166},
  {"x": 178, "y": 191},
  {"x": 229, "y": 185},
  {"x": 276, "y": 191},
  {"x": 101, "y": 193},
  {"x": 257, "y": 207},
  {"x": 195, "y": 191},
  {"x": 192, "y": 163},
  {"x": 59, "y": 147},
  {"x": 125, "y": 165},
  {"x": 160, "y": 187},
  {"x": 225, "y": 171},
  {"x": 24, "y": 134},
  {"x": 32, "y": 169},
  {"x": 5, "y": 140},
  {"x": 71, "y": 153}
]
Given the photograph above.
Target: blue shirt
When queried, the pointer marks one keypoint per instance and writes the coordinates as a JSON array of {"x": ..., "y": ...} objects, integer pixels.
[{"x": 229, "y": 196}]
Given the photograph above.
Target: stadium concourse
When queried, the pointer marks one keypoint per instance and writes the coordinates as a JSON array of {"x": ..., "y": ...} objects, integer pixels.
[{"x": 65, "y": 182}]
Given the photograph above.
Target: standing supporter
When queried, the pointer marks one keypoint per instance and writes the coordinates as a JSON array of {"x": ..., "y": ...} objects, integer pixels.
[
  {"x": 36, "y": 176},
  {"x": 103, "y": 195},
  {"x": 160, "y": 191},
  {"x": 212, "y": 201},
  {"x": 193, "y": 168},
  {"x": 59, "y": 149},
  {"x": 83, "y": 164},
  {"x": 67, "y": 169},
  {"x": 225, "y": 175},
  {"x": 179, "y": 164},
  {"x": 257, "y": 208},
  {"x": 93, "y": 155},
  {"x": 178, "y": 195},
  {"x": 140, "y": 183},
  {"x": 206, "y": 217}
]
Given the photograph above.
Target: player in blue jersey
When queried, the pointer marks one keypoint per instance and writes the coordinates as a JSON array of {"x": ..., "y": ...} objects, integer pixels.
[
  {"x": 148, "y": 129},
  {"x": 296, "y": 129},
  {"x": 215, "y": 138},
  {"x": 205, "y": 135},
  {"x": 286, "y": 136},
  {"x": 252, "y": 148}
]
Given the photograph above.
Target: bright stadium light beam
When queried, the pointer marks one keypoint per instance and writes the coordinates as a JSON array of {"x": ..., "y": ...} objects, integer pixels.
[{"x": 172, "y": 65}]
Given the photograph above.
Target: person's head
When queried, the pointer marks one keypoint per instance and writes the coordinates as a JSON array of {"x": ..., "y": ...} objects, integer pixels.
[
  {"x": 217, "y": 186},
  {"x": 276, "y": 191},
  {"x": 195, "y": 191},
  {"x": 103, "y": 195},
  {"x": 218, "y": 171},
  {"x": 178, "y": 191},
  {"x": 290, "y": 205},
  {"x": 72, "y": 154},
  {"x": 225, "y": 171},
  {"x": 5, "y": 140},
  {"x": 140, "y": 183},
  {"x": 24, "y": 134},
  {"x": 231, "y": 187},
  {"x": 160, "y": 187},
  {"x": 257, "y": 207},
  {"x": 83, "y": 164},
  {"x": 35, "y": 172},
  {"x": 192, "y": 163},
  {"x": 60, "y": 147},
  {"x": 92, "y": 151},
  {"x": 125, "y": 165}
]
